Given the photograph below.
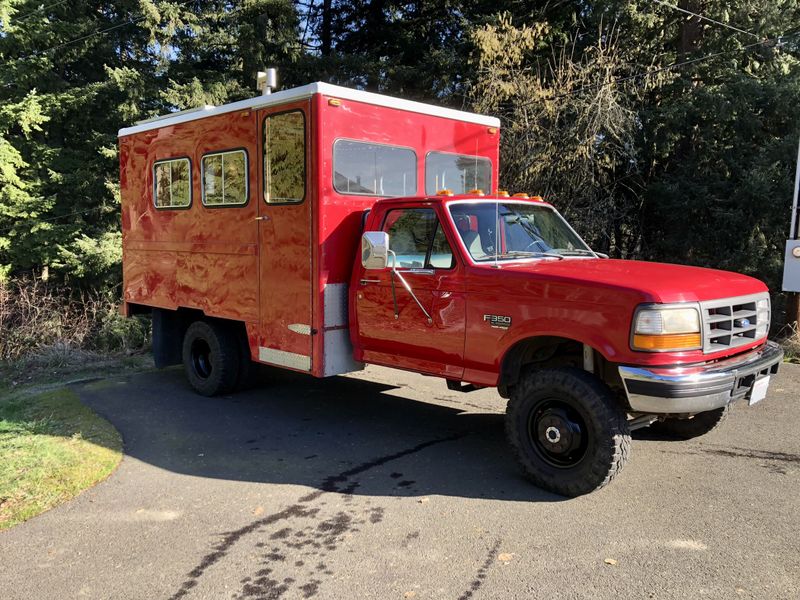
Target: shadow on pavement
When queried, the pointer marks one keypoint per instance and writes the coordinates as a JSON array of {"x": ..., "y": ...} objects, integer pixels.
[{"x": 337, "y": 434}]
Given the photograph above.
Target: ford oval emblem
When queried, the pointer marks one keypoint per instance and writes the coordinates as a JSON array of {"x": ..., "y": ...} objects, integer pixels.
[{"x": 742, "y": 322}]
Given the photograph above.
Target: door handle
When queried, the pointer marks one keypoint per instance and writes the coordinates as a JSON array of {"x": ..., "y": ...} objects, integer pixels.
[
  {"x": 263, "y": 218},
  {"x": 368, "y": 281}
]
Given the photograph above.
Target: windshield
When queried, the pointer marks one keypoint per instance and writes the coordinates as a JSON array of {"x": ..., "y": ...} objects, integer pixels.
[{"x": 513, "y": 230}]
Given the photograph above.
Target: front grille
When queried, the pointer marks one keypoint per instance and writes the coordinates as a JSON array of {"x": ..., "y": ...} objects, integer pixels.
[{"x": 734, "y": 322}]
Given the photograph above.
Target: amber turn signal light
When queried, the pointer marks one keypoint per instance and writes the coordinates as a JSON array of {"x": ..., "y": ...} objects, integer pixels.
[{"x": 674, "y": 341}]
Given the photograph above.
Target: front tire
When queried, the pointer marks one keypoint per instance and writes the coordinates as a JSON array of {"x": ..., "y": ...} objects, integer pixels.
[
  {"x": 211, "y": 358},
  {"x": 567, "y": 431},
  {"x": 696, "y": 426}
]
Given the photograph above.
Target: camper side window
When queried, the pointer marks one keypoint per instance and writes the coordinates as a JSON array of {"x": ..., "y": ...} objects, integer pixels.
[
  {"x": 459, "y": 173},
  {"x": 173, "y": 183},
  {"x": 225, "y": 178},
  {"x": 365, "y": 168},
  {"x": 285, "y": 158}
]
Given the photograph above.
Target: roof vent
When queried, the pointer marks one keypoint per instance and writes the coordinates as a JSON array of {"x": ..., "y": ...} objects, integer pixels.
[{"x": 266, "y": 81}]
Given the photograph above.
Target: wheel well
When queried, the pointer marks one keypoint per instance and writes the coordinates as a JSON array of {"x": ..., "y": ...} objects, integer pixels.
[
  {"x": 169, "y": 327},
  {"x": 544, "y": 351}
]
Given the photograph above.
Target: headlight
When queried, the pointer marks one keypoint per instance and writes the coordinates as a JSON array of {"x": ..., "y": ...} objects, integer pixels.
[{"x": 664, "y": 329}]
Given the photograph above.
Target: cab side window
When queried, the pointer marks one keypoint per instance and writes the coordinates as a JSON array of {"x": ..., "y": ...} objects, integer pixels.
[{"x": 417, "y": 239}]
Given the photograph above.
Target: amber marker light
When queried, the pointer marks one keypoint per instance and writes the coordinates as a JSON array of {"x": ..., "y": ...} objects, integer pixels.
[
  {"x": 476, "y": 192},
  {"x": 521, "y": 195},
  {"x": 334, "y": 102},
  {"x": 444, "y": 193},
  {"x": 492, "y": 130},
  {"x": 502, "y": 193},
  {"x": 537, "y": 198}
]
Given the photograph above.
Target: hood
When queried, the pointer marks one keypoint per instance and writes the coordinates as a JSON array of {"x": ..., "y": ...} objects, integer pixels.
[{"x": 660, "y": 282}]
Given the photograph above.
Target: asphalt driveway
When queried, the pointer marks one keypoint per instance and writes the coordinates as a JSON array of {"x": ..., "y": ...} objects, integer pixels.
[{"x": 387, "y": 485}]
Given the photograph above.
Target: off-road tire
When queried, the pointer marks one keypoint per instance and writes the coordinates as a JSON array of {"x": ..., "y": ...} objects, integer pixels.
[
  {"x": 607, "y": 437},
  {"x": 687, "y": 429},
  {"x": 211, "y": 357}
]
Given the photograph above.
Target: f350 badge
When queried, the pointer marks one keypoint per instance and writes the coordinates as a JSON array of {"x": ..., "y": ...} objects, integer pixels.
[{"x": 498, "y": 321}]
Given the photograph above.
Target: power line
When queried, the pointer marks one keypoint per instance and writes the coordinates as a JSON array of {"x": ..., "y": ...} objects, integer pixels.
[
  {"x": 704, "y": 18},
  {"x": 82, "y": 38},
  {"x": 778, "y": 41},
  {"x": 92, "y": 34},
  {"x": 40, "y": 9}
]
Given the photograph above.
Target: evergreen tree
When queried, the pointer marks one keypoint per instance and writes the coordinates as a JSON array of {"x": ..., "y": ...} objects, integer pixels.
[{"x": 73, "y": 73}]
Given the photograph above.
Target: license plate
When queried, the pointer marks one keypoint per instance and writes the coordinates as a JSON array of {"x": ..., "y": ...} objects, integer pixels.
[{"x": 759, "y": 390}]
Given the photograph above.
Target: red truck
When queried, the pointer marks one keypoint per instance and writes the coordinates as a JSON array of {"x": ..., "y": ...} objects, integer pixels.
[{"x": 321, "y": 228}]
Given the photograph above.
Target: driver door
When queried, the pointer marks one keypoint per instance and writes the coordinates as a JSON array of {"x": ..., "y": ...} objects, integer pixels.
[{"x": 392, "y": 327}]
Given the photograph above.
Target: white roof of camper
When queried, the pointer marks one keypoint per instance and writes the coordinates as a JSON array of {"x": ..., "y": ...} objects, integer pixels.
[{"x": 307, "y": 91}]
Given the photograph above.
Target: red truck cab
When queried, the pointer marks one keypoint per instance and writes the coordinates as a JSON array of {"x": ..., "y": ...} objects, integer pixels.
[{"x": 327, "y": 235}]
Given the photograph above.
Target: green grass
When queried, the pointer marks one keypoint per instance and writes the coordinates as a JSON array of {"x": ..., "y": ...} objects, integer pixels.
[{"x": 52, "y": 447}]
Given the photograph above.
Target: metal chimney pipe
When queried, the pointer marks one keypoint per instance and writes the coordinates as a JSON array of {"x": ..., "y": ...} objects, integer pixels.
[{"x": 266, "y": 81}]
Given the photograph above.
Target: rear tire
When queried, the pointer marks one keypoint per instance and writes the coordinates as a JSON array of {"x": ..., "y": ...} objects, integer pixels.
[
  {"x": 211, "y": 358},
  {"x": 696, "y": 426},
  {"x": 567, "y": 431}
]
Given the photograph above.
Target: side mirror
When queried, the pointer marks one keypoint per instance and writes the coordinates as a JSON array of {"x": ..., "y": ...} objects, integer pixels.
[{"x": 375, "y": 250}]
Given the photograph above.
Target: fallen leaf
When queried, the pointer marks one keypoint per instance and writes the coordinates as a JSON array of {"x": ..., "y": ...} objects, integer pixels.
[
  {"x": 740, "y": 590},
  {"x": 410, "y": 595},
  {"x": 505, "y": 556},
  {"x": 610, "y": 561},
  {"x": 259, "y": 510}
]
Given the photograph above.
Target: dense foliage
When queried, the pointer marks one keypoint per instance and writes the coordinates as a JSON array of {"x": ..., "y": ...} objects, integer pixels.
[{"x": 692, "y": 163}]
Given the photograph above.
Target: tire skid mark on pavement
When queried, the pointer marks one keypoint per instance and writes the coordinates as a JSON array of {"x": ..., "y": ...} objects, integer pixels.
[
  {"x": 736, "y": 452},
  {"x": 480, "y": 576},
  {"x": 331, "y": 530},
  {"x": 774, "y": 461}
]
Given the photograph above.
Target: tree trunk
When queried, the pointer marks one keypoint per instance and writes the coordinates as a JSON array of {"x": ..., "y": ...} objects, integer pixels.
[
  {"x": 691, "y": 28},
  {"x": 326, "y": 37}
]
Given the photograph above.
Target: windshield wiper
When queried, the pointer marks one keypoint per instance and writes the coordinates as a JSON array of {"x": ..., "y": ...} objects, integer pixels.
[
  {"x": 522, "y": 253},
  {"x": 577, "y": 252}
]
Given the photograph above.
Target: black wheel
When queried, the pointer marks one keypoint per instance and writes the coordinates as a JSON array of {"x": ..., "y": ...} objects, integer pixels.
[
  {"x": 686, "y": 429},
  {"x": 211, "y": 358},
  {"x": 567, "y": 431}
]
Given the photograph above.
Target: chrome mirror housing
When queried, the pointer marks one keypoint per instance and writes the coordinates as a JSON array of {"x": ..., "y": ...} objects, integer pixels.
[{"x": 375, "y": 250}]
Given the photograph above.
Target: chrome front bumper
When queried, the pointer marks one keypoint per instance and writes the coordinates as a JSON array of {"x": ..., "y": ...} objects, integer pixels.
[{"x": 697, "y": 388}]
